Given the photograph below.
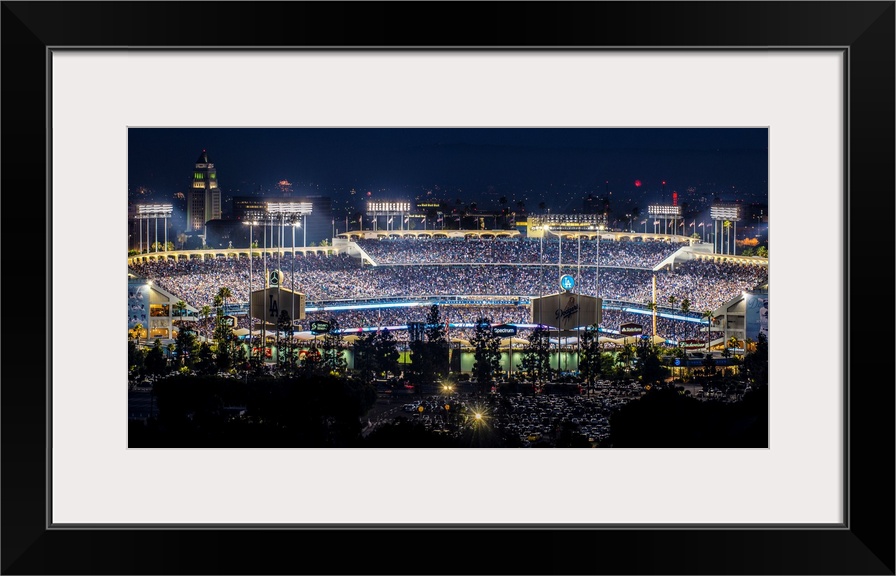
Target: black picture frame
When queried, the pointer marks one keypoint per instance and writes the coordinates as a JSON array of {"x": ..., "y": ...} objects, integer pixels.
[{"x": 863, "y": 545}]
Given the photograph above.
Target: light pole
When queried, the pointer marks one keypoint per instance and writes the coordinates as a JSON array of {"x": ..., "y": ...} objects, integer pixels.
[
  {"x": 559, "y": 258},
  {"x": 264, "y": 324},
  {"x": 251, "y": 224},
  {"x": 292, "y": 344},
  {"x": 293, "y": 270}
]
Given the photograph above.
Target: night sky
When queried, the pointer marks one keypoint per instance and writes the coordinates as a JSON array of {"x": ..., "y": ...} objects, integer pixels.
[{"x": 557, "y": 166}]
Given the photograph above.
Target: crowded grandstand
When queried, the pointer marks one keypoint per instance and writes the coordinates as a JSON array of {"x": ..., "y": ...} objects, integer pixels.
[{"x": 397, "y": 279}]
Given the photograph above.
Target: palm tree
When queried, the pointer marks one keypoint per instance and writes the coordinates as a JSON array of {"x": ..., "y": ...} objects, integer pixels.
[
  {"x": 651, "y": 305},
  {"x": 685, "y": 306},
  {"x": 138, "y": 327},
  {"x": 225, "y": 293},
  {"x": 205, "y": 312},
  {"x": 733, "y": 344},
  {"x": 709, "y": 318},
  {"x": 625, "y": 356},
  {"x": 179, "y": 308},
  {"x": 672, "y": 300},
  {"x": 218, "y": 302}
]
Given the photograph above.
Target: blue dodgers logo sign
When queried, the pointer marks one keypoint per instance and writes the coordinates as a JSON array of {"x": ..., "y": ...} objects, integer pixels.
[{"x": 567, "y": 282}]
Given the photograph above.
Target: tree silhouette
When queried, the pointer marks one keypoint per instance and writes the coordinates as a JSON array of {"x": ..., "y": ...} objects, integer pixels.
[
  {"x": 486, "y": 354},
  {"x": 590, "y": 355},
  {"x": 650, "y": 369},
  {"x": 365, "y": 360},
  {"x": 436, "y": 342},
  {"x": 536, "y": 363},
  {"x": 708, "y": 314},
  {"x": 285, "y": 353},
  {"x": 155, "y": 359},
  {"x": 385, "y": 352},
  {"x": 334, "y": 356},
  {"x": 204, "y": 313},
  {"x": 755, "y": 363}
]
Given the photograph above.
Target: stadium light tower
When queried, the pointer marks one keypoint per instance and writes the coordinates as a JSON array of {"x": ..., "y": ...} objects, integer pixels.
[
  {"x": 290, "y": 211},
  {"x": 665, "y": 212},
  {"x": 154, "y": 211},
  {"x": 390, "y": 209},
  {"x": 723, "y": 214}
]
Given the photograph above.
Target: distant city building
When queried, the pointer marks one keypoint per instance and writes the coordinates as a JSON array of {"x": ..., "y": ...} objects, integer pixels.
[
  {"x": 591, "y": 205},
  {"x": 204, "y": 197},
  {"x": 594, "y": 205}
]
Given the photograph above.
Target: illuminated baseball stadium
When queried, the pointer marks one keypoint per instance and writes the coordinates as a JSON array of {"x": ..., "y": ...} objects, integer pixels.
[
  {"x": 389, "y": 281},
  {"x": 335, "y": 317}
]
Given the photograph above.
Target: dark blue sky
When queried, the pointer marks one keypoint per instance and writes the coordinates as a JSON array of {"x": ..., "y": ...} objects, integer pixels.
[{"x": 553, "y": 165}]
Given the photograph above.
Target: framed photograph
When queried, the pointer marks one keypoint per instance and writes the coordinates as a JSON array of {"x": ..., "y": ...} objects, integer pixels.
[{"x": 816, "y": 78}]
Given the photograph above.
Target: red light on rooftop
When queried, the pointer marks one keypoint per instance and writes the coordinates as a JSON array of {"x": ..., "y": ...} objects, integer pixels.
[{"x": 637, "y": 183}]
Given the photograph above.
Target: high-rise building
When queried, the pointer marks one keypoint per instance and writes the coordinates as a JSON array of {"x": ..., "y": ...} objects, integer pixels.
[{"x": 204, "y": 198}]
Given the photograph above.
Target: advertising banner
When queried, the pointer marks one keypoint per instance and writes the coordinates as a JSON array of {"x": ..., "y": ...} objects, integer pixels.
[
  {"x": 138, "y": 304},
  {"x": 269, "y": 303},
  {"x": 566, "y": 311},
  {"x": 756, "y": 315},
  {"x": 319, "y": 327},
  {"x": 504, "y": 330},
  {"x": 631, "y": 329}
]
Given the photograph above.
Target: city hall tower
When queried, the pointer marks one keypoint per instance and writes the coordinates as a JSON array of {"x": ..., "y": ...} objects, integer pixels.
[{"x": 204, "y": 198}]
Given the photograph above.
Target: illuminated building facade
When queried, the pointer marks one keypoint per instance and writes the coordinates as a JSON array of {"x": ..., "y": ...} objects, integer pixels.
[{"x": 204, "y": 197}]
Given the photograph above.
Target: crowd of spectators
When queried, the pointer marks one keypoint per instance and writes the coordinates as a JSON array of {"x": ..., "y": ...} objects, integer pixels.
[
  {"x": 516, "y": 251},
  {"x": 455, "y": 315},
  {"x": 338, "y": 278}
]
